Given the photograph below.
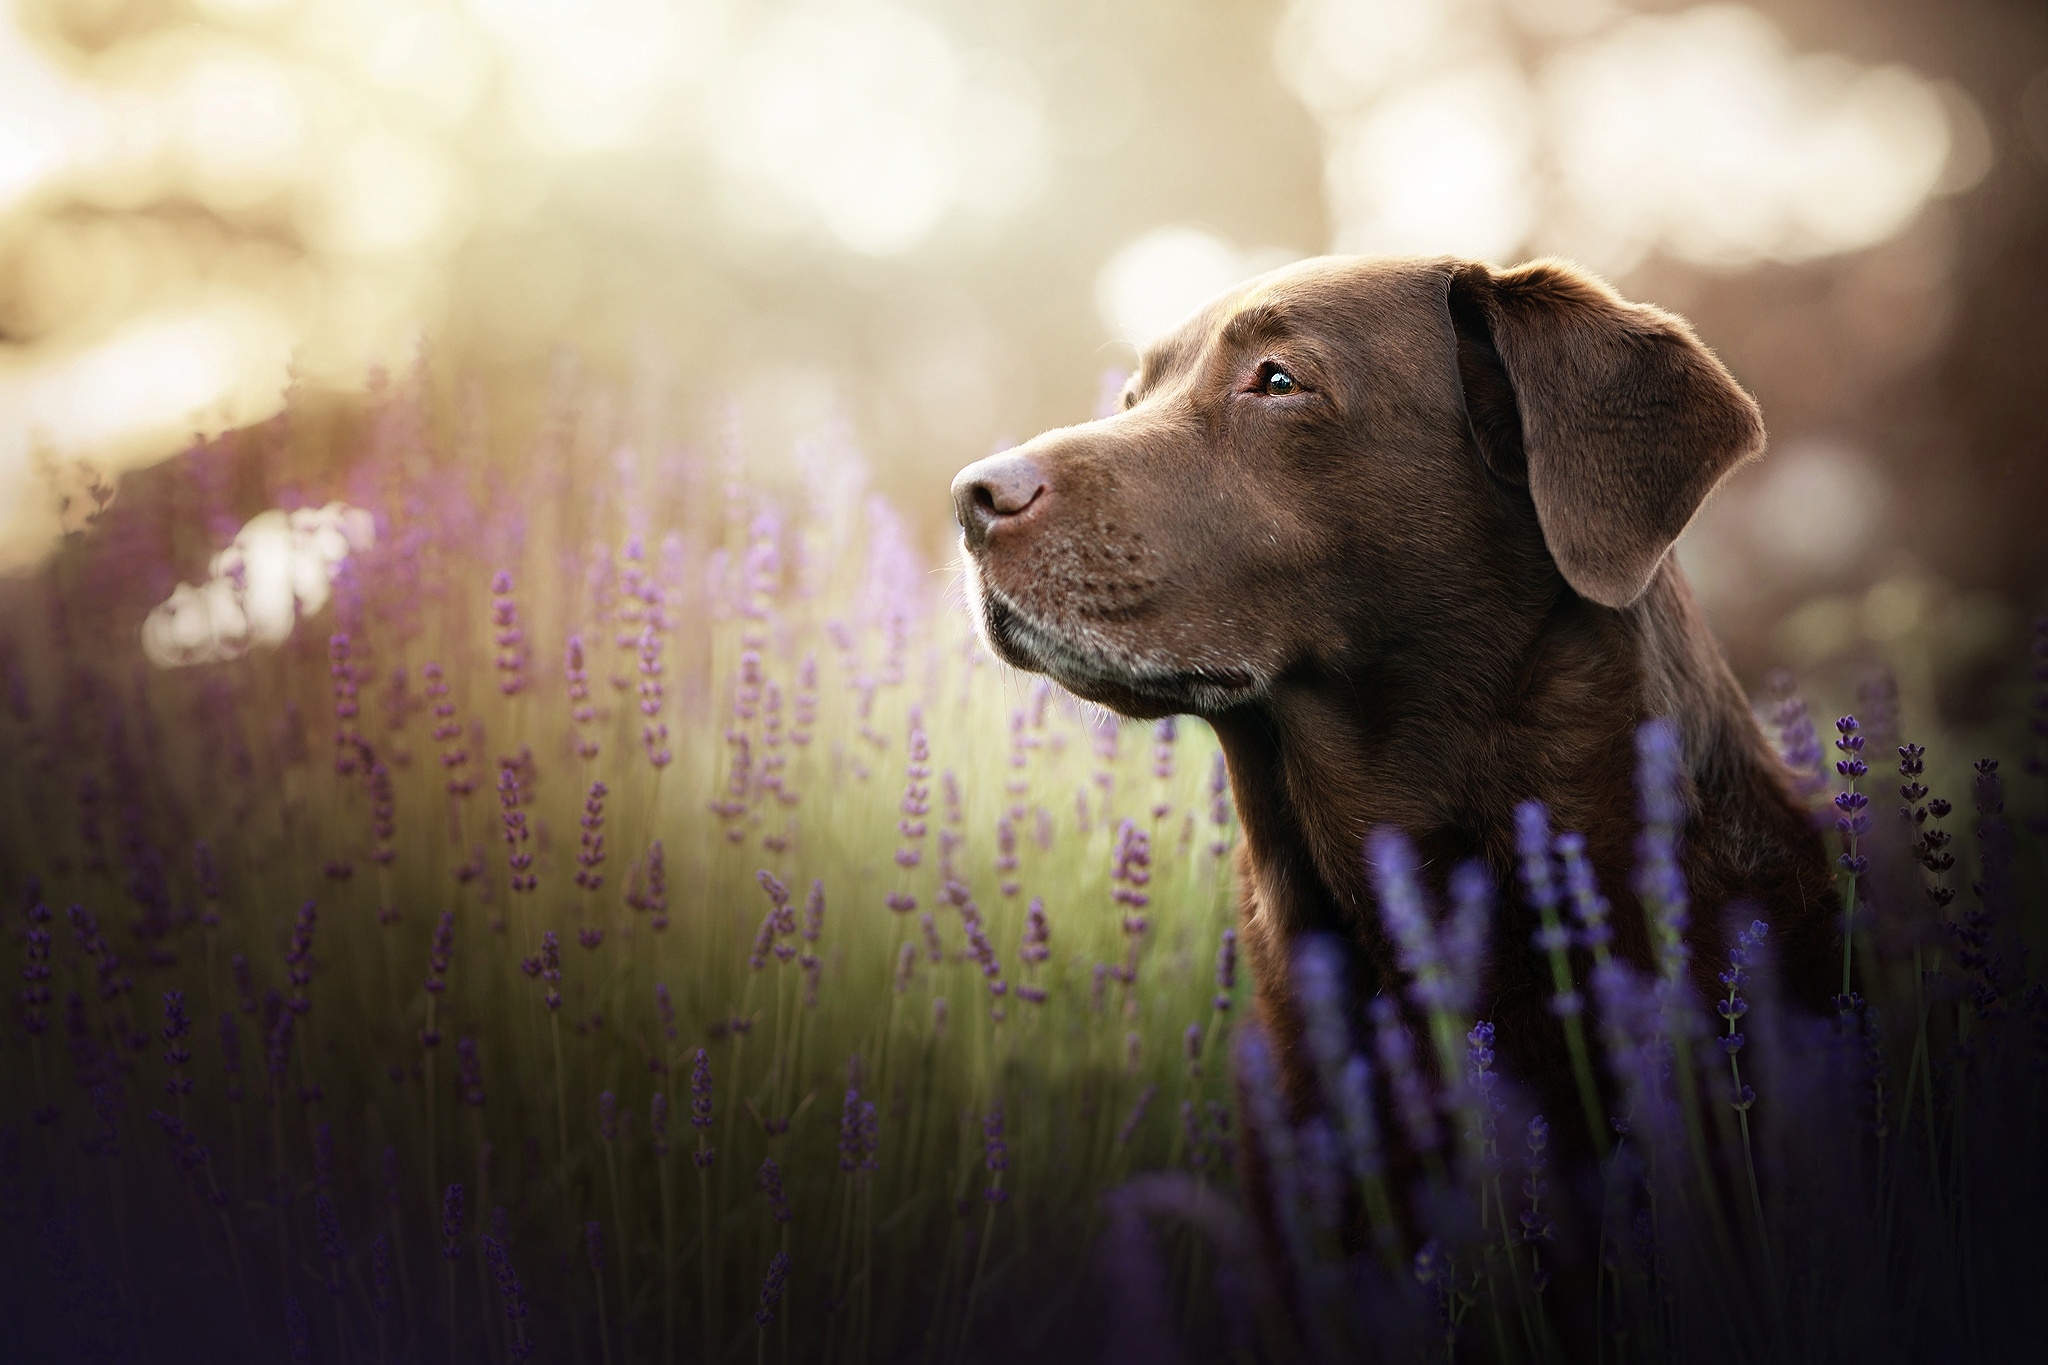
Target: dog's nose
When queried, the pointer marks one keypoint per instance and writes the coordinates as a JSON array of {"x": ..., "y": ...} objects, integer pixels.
[{"x": 989, "y": 491}]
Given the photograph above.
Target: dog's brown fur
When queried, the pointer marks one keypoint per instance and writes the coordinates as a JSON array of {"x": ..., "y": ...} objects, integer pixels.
[{"x": 1431, "y": 583}]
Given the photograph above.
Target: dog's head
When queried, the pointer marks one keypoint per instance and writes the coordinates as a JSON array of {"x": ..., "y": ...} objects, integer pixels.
[{"x": 1339, "y": 461}]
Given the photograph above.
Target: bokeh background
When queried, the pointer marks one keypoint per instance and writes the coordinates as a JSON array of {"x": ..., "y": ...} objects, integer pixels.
[{"x": 934, "y": 227}]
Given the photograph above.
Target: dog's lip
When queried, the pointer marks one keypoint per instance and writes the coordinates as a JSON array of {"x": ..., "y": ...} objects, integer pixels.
[{"x": 1057, "y": 654}]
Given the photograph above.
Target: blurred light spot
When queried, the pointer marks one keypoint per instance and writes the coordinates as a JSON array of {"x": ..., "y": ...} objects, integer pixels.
[
  {"x": 433, "y": 61},
  {"x": 1815, "y": 506},
  {"x": 240, "y": 126},
  {"x": 1561, "y": 18},
  {"x": 1897, "y": 607},
  {"x": 1701, "y": 133},
  {"x": 2034, "y": 113},
  {"x": 1002, "y": 118},
  {"x": 1818, "y": 630},
  {"x": 44, "y": 117},
  {"x": 1970, "y": 149},
  {"x": 276, "y": 572},
  {"x": 126, "y": 400},
  {"x": 584, "y": 75},
  {"x": 1338, "y": 55},
  {"x": 1441, "y": 167},
  {"x": 1154, "y": 283},
  {"x": 865, "y": 115},
  {"x": 241, "y": 9},
  {"x": 385, "y": 193},
  {"x": 157, "y": 374}
]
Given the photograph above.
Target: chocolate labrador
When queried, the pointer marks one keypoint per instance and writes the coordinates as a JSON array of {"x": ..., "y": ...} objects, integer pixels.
[{"x": 1400, "y": 530}]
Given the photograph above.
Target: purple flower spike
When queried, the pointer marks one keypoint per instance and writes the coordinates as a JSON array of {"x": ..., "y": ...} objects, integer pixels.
[
  {"x": 769, "y": 1181},
  {"x": 700, "y": 1108},
  {"x": 1390, "y": 859},
  {"x": 298, "y": 1333},
  {"x": 511, "y": 641},
  {"x": 657, "y": 1123},
  {"x": 590, "y": 849},
  {"x": 995, "y": 1152},
  {"x": 1396, "y": 1049},
  {"x": 1659, "y": 879},
  {"x": 176, "y": 1055},
  {"x": 593, "y": 1245},
  {"x": 380, "y": 1276},
  {"x": 771, "y": 1288},
  {"x": 499, "y": 1260},
  {"x": 1465, "y": 935},
  {"x": 451, "y": 1223},
  {"x": 1266, "y": 1116},
  {"x": 327, "y": 1228},
  {"x": 849, "y": 1132},
  {"x": 1226, "y": 969}
]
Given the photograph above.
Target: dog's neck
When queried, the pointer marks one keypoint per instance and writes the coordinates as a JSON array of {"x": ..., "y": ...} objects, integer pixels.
[{"x": 1547, "y": 710}]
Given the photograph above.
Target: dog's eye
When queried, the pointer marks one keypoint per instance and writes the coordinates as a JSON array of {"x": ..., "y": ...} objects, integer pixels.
[{"x": 1277, "y": 381}]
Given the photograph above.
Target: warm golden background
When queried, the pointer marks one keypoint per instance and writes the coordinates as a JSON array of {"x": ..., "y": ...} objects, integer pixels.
[{"x": 936, "y": 225}]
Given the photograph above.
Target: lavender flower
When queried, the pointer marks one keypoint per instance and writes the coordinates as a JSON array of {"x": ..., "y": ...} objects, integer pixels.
[
  {"x": 1139, "y": 1107},
  {"x": 916, "y": 803},
  {"x": 176, "y": 1055},
  {"x": 665, "y": 1011},
  {"x": 657, "y": 1123},
  {"x": 518, "y": 859},
  {"x": 469, "y": 1073},
  {"x": 298, "y": 958},
  {"x": 1226, "y": 969},
  {"x": 1396, "y": 1049},
  {"x": 35, "y": 972},
  {"x": 1219, "y": 806},
  {"x": 440, "y": 950},
  {"x": 593, "y": 1245},
  {"x": 1266, "y": 1117},
  {"x": 1798, "y": 744},
  {"x": 298, "y": 1333},
  {"x": 700, "y": 1106},
  {"x": 451, "y": 1223},
  {"x": 590, "y": 850},
  {"x": 1537, "y": 1226},
  {"x": 380, "y": 1276},
  {"x": 511, "y": 641},
  {"x": 1037, "y": 944},
  {"x": 327, "y": 1229},
  {"x": 652, "y": 895},
  {"x": 447, "y": 729},
  {"x": 580, "y": 709},
  {"x": 1589, "y": 907},
  {"x": 231, "y": 1054},
  {"x": 771, "y": 1288},
  {"x": 769, "y": 1182},
  {"x": 850, "y": 1146},
  {"x": 1659, "y": 878},
  {"x": 995, "y": 1152},
  {"x": 1732, "y": 1007},
  {"x": 500, "y": 1262}
]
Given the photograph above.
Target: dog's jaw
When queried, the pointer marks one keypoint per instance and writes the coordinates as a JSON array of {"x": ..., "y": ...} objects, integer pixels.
[{"x": 1095, "y": 666}]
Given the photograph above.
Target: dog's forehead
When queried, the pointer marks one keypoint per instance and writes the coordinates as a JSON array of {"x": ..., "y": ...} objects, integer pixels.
[{"x": 1346, "y": 300}]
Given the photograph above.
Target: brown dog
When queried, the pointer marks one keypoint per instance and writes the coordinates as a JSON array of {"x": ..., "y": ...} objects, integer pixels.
[{"x": 1399, "y": 529}]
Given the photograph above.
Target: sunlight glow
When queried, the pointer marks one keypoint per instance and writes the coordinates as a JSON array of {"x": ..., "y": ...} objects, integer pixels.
[
  {"x": 1700, "y": 133},
  {"x": 276, "y": 572},
  {"x": 865, "y": 115}
]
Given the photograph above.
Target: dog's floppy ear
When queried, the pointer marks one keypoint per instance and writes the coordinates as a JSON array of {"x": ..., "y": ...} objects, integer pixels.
[{"x": 1613, "y": 414}]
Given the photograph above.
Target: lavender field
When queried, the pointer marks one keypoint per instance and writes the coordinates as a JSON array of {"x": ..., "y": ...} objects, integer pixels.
[{"x": 632, "y": 920}]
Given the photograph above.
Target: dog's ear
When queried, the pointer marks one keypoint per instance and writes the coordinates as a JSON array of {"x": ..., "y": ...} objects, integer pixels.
[{"x": 1615, "y": 417}]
